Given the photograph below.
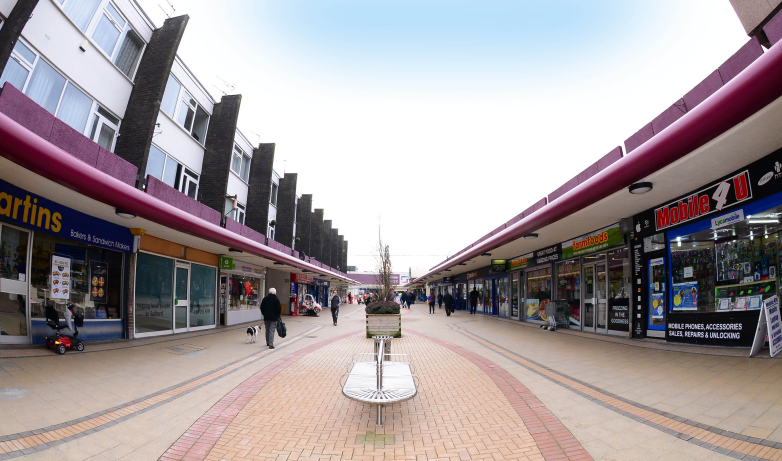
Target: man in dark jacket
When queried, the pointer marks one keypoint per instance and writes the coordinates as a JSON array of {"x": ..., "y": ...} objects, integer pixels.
[
  {"x": 270, "y": 309},
  {"x": 473, "y": 300},
  {"x": 448, "y": 300},
  {"x": 440, "y": 300},
  {"x": 335, "y": 302},
  {"x": 410, "y": 299}
]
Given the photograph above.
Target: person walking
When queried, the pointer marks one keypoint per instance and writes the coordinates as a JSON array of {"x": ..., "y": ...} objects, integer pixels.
[
  {"x": 270, "y": 309},
  {"x": 440, "y": 300},
  {"x": 350, "y": 298},
  {"x": 335, "y": 302},
  {"x": 402, "y": 300},
  {"x": 448, "y": 300},
  {"x": 473, "y": 300},
  {"x": 431, "y": 303}
]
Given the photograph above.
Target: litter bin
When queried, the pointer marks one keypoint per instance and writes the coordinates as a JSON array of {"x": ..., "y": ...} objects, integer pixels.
[{"x": 386, "y": 348}]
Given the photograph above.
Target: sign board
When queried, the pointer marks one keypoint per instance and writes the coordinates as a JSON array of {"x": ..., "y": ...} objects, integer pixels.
[
  {"x": 769, "y": 327},
  {"x": 595, "y": 241},
  {"x": 726, "y": 329},
  {"x": 519, "y": 263},
  {"x": 302, "y": 278},
  {"x": 619, "y": 314},
  {"x": 61, "y": 277},
  {"x": 22, "y": 208},
  {"x": 472, "y": 275},
  {"x": 728, "y": 219},
  {"x": 549, "y": 254},
  {"x": 99, "y": 282},
  {"x": 227, "y": 264},
  {"x": 498, "y": 265}
]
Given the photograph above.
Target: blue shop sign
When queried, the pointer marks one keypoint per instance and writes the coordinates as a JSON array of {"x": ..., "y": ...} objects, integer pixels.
[
  {"x": 322, "y": 283},
  {"x": 22, "y": 208}
]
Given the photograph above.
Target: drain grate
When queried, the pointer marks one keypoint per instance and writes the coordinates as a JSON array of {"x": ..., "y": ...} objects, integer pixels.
[{"x": 184, "y": 349}]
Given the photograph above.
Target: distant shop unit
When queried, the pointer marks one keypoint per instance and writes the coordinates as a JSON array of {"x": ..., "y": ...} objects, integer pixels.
[
  {"x": 304, "y": 284},
  {"x": 706, "y": 261},
  {"x": 242, "y": 287}
]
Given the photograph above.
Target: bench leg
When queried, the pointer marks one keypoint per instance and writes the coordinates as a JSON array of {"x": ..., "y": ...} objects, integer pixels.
[{"x": 380, "y": 415}]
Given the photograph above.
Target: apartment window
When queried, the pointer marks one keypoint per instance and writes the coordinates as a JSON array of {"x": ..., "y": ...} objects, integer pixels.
[
  {"x": 165, "y": 168},
  {"x": 81, "y": 12},
  {"x": 237, "y": 214},
  {"x": 240, "y": 163},
  {"x": 109, "y": 28},
  {"x": 104, "y": 127},
  {"x": 181, "y": 106},
  {"x": 129, "y": 53},
  {"x": 273, "y": 199},
  {"x": 270, "y": 232},
  {"x": 31, "y": 74}
]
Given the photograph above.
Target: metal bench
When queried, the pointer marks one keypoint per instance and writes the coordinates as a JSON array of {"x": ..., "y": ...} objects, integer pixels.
[{"x": 381, "y": 381}]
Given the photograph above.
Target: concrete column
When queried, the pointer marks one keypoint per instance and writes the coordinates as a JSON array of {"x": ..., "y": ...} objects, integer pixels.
[
  {"x": 326, "y": 249},
  {"x": 138, "y": 125},
  {"x": 336, "y": 249},
  {"x": 12, "y": 29},
  {"x": 219, "y": 147},
  {"x": 286, "y": 209},
  {"x": 344, "y": 256},
  {"x": 260, "y": 190},
  {"x": 304, "y": 223},
  {"x": 316, "y": 234}
]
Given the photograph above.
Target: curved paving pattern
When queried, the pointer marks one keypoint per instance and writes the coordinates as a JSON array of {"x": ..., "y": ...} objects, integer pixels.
[{"x": 467, "y": 408}]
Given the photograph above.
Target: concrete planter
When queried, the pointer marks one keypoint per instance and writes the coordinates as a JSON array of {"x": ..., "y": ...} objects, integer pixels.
[{"x": 384, "y": 324}]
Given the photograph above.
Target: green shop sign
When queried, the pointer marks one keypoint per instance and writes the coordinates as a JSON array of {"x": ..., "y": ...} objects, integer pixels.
[
  {"x": 596, "y": 241},
  {"x": 227, "y": 264},
  {"x": 517, "y": 264}
]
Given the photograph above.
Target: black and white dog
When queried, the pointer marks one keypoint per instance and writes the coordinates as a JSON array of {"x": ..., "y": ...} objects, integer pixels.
[{"x": 252, "y": 334}]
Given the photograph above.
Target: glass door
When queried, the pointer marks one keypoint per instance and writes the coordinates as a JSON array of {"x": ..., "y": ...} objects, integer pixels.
[
  {"x": 502, "y": 297},
  {"x": 656, "y": 276},
  {"x": 182, "y": 298},
  {"x": 601, "y": 299},
  {"x": 14, "y": 316},
  {"x": 488, "y": 303},
  {"x": 589, "y": 298},
  {"x": 514, "y": 295}
]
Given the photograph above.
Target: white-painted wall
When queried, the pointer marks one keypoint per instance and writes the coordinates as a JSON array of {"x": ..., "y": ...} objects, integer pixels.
[
  {"x": 237, "y": 187},
  {"x": 176, "y": 142},
  {"x": 192, "y": 86}
]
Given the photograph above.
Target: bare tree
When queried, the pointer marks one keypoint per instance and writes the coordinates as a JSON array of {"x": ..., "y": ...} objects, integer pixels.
[{"x": 384, "y": 271}]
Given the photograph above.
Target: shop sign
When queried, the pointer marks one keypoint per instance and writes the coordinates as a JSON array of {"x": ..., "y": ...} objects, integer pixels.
[
  {"x": 517, "y": 264},
  {"x": 498, "y": 265},
  {"x": 227, "y": 264},
  {"x": 728, "y": 219},
  {"x": 61, "y": 277},
  {"x": 548, "y": 254},
  {"x": 596, "y": 241},
  {"x": 774, "y": 324},
  {"x": 472, "y": 275},
  {"x": 99, "y": 282},
  {"x": 302, "y": 278},
  {"x": 447, "y": 280},
  {"x": 619, "y": 314},
  {"x": 322, "y": 283},
  {"x": 404, "y": 279},
  {"x": 20, "y": 207},
  {"x": 722, "y": 330}
]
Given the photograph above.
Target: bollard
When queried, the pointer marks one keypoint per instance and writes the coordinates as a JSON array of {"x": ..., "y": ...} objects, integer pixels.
[{"x": 386, "y": 348}]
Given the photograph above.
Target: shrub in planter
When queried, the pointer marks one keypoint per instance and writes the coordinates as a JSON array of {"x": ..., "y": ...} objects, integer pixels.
[{"x": 382, "y": 308}]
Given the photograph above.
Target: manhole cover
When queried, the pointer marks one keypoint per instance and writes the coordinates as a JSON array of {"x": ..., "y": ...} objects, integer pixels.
[{"x": 183, "y": 349}]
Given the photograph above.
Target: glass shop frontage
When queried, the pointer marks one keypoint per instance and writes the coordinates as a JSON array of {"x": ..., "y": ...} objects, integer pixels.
[
  {"x": 242, "y": 287},
  {"x": 175, "y": 288},
  {"x": 303, "y": 285},
  {"x": 54, "y": 256},
  {"x": 706, "y": 261}
]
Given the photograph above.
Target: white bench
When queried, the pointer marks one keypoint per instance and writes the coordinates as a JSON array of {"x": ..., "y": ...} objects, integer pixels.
[{"x": 381, "y": 381}]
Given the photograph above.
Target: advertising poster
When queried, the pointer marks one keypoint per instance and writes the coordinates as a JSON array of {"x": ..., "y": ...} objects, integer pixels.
[
  {"x": 534, "y": 309},
  {"x": 658, "y": 305},
  {"x": 619, "y": 314},
  {"x": 741, "y": 304},
  {"x": 685, "y": 296},
  {"x": 771, "y": 307},
  {"x": 61, "y": 277},
  {"x": 755, "y": 302},
  {"x": 99, "y": 282},
  {"x": 723, "y": 304}
]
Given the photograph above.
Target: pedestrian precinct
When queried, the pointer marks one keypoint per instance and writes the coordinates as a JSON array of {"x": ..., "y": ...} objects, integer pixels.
[
  {"x": 440, "y": 300},
  {"x": 335, "y": 302},
  {"x": 431, "y": 303},
  {"x": 448, "y": 300},
  {"x": 473, "y": 300},
  {"x": 270, "y": 309}
]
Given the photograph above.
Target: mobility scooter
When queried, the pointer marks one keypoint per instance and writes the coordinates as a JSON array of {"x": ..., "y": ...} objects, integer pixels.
[{"x": 58, "y": 341}]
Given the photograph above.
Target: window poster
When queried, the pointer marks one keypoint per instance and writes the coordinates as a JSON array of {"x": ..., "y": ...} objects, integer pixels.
[
  {"x": 685, "y": 296},
  {"x": 658, "y": 305},
  {"x": 741, "y": 303},
  {"x": 98, "y": 282},
  {"x": 61, "y": 277},
  {"x": 723, "y": 304},
  {"x": 755, "y": 302}
]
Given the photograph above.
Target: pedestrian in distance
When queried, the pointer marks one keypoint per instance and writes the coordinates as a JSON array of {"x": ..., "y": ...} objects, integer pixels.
[
  {"x": 270, "y": 309},
  {"x": 473, "y": 300},
  {"x": 431, "y": 303},
  {"x": 402, "y": 300},
  {"x": 350, "y": 298},
  {"x": 448, "y": 300},
  {"x": 410, "y": 299},
  {"x": 440, "y": 300},
  {"x": 335, "y": 302}
]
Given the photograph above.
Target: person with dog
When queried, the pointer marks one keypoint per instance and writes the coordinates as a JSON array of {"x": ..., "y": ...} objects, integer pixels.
[
  {"x": 335, "y": 302},
  {"x": 448, "y": 300},
  {"x": 270, "y": 309},
  {"x": 473, "y": 300}
]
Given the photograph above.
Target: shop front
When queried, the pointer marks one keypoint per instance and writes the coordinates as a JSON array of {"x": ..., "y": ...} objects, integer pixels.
[
  {"x": 707, "y": 260},
  {"x": 539, "y": 283},
  {"x": 176, "y": 289},
  {"x": 51, "y": 255},
  {"x": 516, "y": 269},
  {"x": 242, "y": 287},
  {"x": 303, "y": 285}
]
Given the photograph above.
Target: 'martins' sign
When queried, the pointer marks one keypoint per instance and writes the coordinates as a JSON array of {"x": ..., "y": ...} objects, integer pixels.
[{"x": 714, "y": 198}]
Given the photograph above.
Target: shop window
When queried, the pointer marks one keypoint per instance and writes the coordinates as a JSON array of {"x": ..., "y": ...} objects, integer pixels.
[
  {"x": 104, "y": 302},
  {"x": 503, "y": 300},
  {"x": 244, "y": 293},
  {"x": 154, "y": 293},
  {"x": 203, "y": 289},
  {"x": 13, "y": 253},
  {"x": 538, "y": 292},
  {"x": 273, "y": 197},
  {"x": 569, "y": 289},
  {"x": 654, "y": 243},
  {"x": 619, "y": 274}
]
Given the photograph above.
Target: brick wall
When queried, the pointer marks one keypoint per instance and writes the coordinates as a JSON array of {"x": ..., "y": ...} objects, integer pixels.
[
  {"x": 138, "y": 126},
  {"x": 303, "y": 223},
  {"x": 12, "y": 28},
  {"x": 316, "y": 234},
  {"x": 260, "y": 188},
  {"x": 286, "y": 209},
  {"x": 326, "y": 243},
  {"x": 337, "y": 257},
  {"x": 218, "y": 150},
  {"x": 344, "y": 256},
  {"x": 336, "y": 249}
]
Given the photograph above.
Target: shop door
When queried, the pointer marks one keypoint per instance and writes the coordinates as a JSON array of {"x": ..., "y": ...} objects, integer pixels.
[
  {"x": 656, "y": 276},
  {"x": 14, "y": 317},
  {"x": 588, "y": 299},
  {"x": 181, "y": 298},
  {"x": 601, "y": 306}
]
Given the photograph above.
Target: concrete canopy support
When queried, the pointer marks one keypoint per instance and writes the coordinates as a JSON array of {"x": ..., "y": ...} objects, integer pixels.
[
  {"x": 218, "y": 153},
  {"x": 286, "y": 209},
  {"x": 12, "y": 29},
  {"x": 754, "y": 14},
  {"x": 326, "y": 243},
  {"x": 344, "y": 256},
  {"x": 336, "y": 249},
  {"x": 138, "y": 126},
  {"x": 316, "y": 234},
  {"x": 304, "y": 224},
  {"x": 338, "y": 257},
  {"x": 260, "y": 189}
]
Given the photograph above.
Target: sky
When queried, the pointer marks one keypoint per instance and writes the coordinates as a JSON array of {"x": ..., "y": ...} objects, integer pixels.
[{"x": 432, "y": 122}]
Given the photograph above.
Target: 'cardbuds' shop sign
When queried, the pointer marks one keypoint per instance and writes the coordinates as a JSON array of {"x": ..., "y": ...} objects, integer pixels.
[{"x": 17, "y": 206}]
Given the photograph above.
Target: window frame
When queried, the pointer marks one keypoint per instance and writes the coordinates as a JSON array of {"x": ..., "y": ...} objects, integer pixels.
[
  {"x": 239, "y": 214},
  {"x": 180, "y": 98},
  {"x": 179, "y": 183},
  {"x": 238, "y": 151},
  {"x": 273, "y": 194}
]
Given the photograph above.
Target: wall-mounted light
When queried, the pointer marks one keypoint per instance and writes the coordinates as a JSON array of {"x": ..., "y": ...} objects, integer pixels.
[
  {"x": 486, "y": 254},
  {"x": 531, "y": 236},
  {"x": 84, "y": 44},
  {"x": 124, "y": 214},
  {"x": 640, "y": 187},
  {"x": 278, "y": 264},
  {"x": 462, "y": 264},
  {"x": 234, "y": 250}
]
